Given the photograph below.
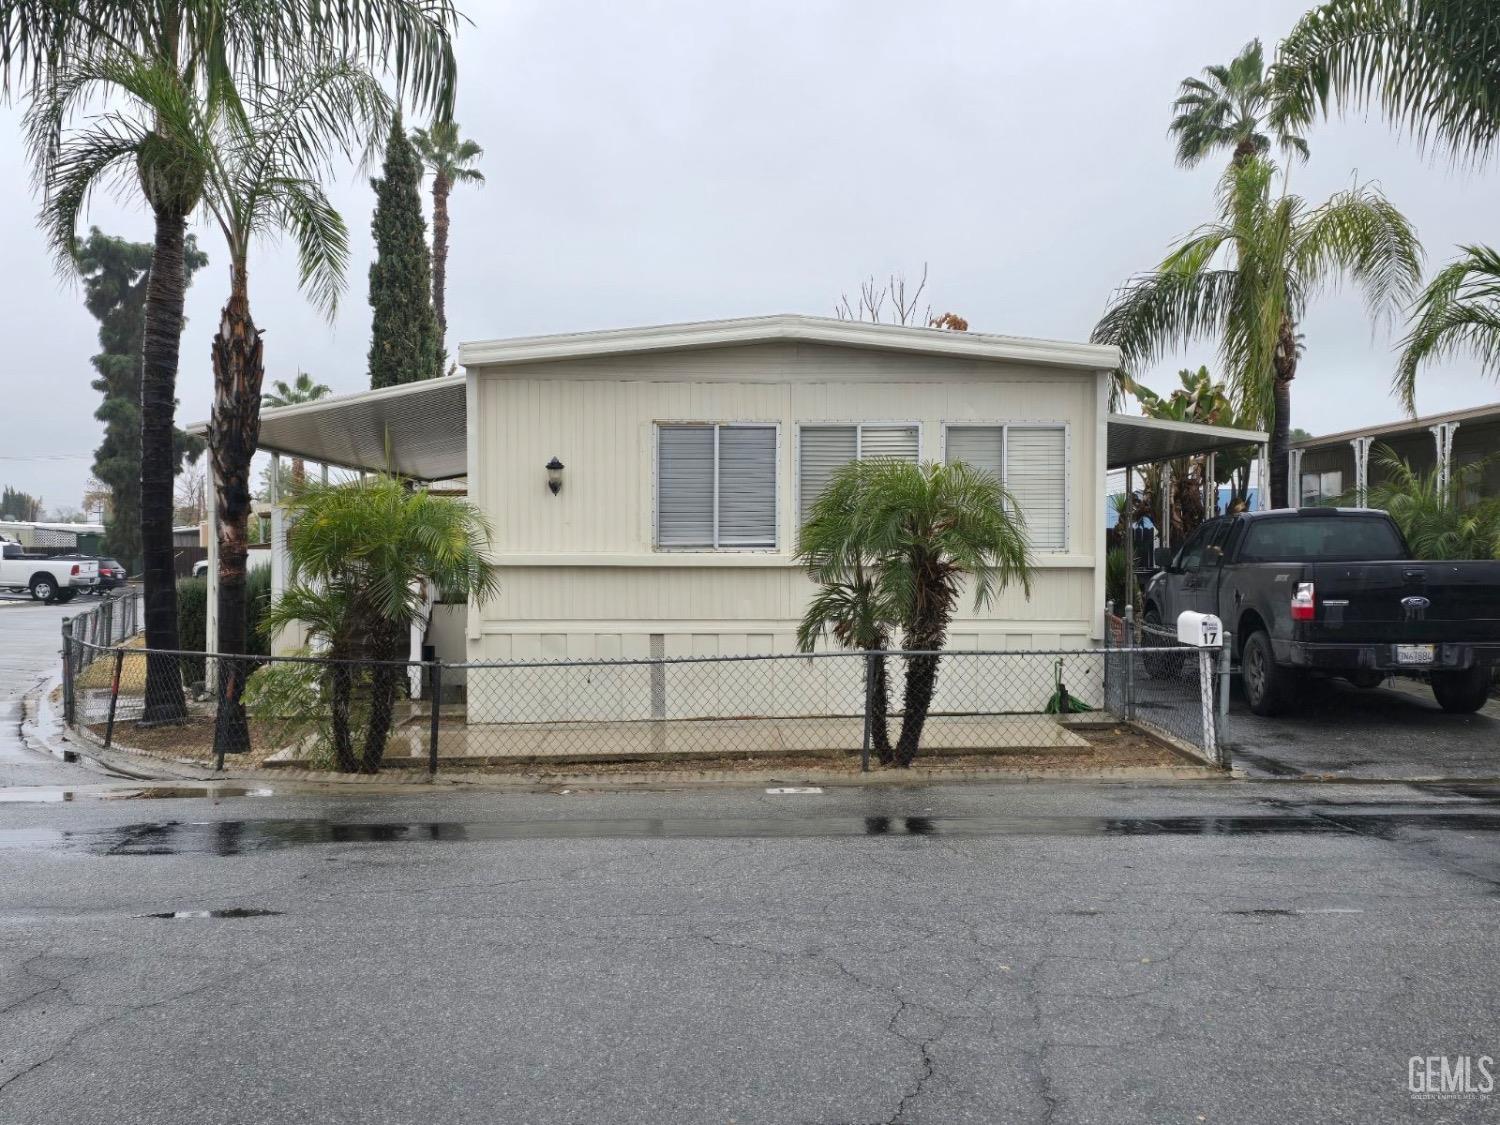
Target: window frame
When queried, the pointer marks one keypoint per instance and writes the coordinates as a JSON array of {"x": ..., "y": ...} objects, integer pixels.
[
  {"x": 1005, "y": 426},
  {"x": 744, "y": 424},
  {"x": 859, "y": 442}
]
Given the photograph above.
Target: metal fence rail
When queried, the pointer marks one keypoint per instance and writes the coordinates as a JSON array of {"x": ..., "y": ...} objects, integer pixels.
[{"x": 826, "y": 703}]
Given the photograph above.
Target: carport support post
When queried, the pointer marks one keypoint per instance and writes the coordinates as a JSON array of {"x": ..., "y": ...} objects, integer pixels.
[
  {"x": 1129, "y": 537},
  {"x": 1130, "y": 662}
]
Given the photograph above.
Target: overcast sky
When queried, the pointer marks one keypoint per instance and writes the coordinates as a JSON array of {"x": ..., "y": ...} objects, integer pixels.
[{"x": 670, "y": 160}]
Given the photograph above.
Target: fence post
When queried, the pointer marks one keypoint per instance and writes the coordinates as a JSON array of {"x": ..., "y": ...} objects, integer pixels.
[
  {"x": 1206, "y": 703},
  {"x": 436, "y": 695},
  {"x": 1109, "y": 611},
  {"x": 1129, "y": 661},
  {"x": 864, "y": 745},
  {"x": 114, "y": 698},
  {"x": 1226, "y": 660},
  {"x": 67, "y": 680}
]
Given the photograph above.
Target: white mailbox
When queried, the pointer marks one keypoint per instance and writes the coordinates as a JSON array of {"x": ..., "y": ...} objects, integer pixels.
[{"x": 1201, "y": 630}]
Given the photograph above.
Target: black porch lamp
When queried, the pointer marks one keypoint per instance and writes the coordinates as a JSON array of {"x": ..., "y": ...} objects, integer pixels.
[{"x": 554, "y": 475}]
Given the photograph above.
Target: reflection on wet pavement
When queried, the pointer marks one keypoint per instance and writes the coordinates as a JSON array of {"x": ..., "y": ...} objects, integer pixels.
[{"x": 237, "y": 837}]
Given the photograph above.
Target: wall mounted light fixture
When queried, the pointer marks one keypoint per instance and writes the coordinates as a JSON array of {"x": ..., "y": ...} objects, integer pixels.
[{"x": 554, "y": 475}]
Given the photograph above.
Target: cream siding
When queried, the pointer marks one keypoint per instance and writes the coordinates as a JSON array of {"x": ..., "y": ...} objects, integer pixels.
[{"x": 581, "y": 575}]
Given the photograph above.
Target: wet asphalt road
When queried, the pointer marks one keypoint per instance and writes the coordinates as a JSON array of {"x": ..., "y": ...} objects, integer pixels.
[{"x": 1217, "y": 952}]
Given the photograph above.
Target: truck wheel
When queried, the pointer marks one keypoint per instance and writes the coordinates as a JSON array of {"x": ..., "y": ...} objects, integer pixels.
[
  {"x": 1366, "y": 678},
  {"x": 1461, "y": 693},
  {"x": 43, "y": 589},
  {"x": 65, "y": 596},
  {"x": 1159, "y": 665},
  {"x": 1268, "y": 687}
]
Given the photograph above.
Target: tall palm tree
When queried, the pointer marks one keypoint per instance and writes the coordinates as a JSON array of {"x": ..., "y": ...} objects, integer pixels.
[
  {"x": 298, "y": 392},
  {"x": 1458, "y": 312},
  {"x": 849, "y": 603},
  {"x": 200, "y": 46},
  {"x": 361, "y": 553},
  {"x": 450, "y": 159},
  {"x": 1231, "y": 107},
  {"x": 1246, "y": 279},
  {"x": 257, "y": 161},
  {"x": 933, "y": 527},
  {"x": 1432, "y": 66}
]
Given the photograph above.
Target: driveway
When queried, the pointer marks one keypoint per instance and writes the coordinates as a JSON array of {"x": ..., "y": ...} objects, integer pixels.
[{"x": 1395, "y": 732}]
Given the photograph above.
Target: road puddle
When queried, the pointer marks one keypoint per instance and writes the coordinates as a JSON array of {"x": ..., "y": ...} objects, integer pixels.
[
  {"x": 229, "y": 912},
  {"x": 241, "y": 837}
]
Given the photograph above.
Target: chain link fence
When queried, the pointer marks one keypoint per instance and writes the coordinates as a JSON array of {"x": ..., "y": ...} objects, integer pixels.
[{"x": 312, "y": 712}]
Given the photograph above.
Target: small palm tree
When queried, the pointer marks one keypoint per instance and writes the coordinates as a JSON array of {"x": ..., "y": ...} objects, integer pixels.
[
  {"x": 361, "y": 556},
  {"x": 1438, "y": 522},
  {"x": 450, "y": 159},
  {"x": 1230, "y": 107},
  {"x": 1458, "y": 312},
  {"x": 303, "y": 390},
  {"x": 1246, "y": 280},
  {"x": 850, "y": 603},
  {"x": 932, "y": 527}
]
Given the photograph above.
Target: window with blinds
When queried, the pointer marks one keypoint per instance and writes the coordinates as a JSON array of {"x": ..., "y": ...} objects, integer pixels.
[
  {"x": 1032, "y": 463},
  {"x": 716, "y": 486},
  {"x": 825, "y": 449}
]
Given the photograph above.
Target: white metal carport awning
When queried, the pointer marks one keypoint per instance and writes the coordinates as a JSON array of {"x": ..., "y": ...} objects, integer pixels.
[
  {"x": 417, "y": 430},
  {"x": 1145, "y": 441}
]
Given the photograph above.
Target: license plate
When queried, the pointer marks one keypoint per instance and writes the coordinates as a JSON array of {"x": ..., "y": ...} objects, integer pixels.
[{"x": 1414, "y": 654}]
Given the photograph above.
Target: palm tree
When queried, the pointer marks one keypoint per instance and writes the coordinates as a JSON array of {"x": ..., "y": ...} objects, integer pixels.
[
  {"x": 1231, "y": 107},
  {"x": 257, "y": 161},
  {"x": 1246, "y": 280},
  {"x": 451, "y": 161},
  {"x": 199, "y": 46},
  {"x": 361, "y": 555},
  {"x": 932, "y": 527},
  {"x": 1438, "y": 522},
  {"x": 1458, "y": 312},
  {"x": 850, "y": 603},
  {"x": 1432, "y": 66},
  {"x": 303, "y": 390}
]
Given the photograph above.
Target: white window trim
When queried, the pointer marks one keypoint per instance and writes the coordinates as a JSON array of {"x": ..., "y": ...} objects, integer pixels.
[
  {"x": 1005, "y": 426},
  {"x": 759, "y": 424},
  {"x": 859, "y": 444}
]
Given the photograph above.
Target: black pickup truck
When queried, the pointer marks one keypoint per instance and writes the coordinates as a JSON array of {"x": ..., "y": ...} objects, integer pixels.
[{"x": 1334, "y": 592}]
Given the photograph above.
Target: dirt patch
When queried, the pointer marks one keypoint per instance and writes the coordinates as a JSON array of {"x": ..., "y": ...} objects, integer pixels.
[{"x": 1117, "y": 747}]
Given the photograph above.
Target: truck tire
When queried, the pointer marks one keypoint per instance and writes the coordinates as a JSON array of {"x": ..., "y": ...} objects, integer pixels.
[
  {"x": 1461, "y": 693},
  {"x": 43, "y": 588},
  {"x": 1160, "y": 665},
  {"x": 65, "y": 596},
  {"x": 1366, "y": 679},
  {"x": 1269, "y": 688}
]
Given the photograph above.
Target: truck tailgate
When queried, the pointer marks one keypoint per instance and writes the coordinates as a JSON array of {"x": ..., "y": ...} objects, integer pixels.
[{"x": 1406, "y": 601}]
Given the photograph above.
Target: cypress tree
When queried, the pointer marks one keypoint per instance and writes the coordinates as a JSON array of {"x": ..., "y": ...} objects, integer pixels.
[
  {"x": 114, "y": 286},
  {"x": 404, "y": 343}
]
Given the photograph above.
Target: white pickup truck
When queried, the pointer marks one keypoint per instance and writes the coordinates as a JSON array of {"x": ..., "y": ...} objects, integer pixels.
[{"x": 49, "y": 580}]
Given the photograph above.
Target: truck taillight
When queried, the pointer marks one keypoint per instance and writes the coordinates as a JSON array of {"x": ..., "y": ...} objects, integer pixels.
[
  {"x": 75, "y": 568},
  {"x": 1304, "y": 602}
]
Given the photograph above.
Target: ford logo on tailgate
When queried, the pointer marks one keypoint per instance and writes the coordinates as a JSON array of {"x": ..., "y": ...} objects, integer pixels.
[{"x": 1415, "y": 607}]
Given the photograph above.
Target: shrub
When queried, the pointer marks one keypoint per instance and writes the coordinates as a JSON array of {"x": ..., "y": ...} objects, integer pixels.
[{"x": 192, "y": 618}]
